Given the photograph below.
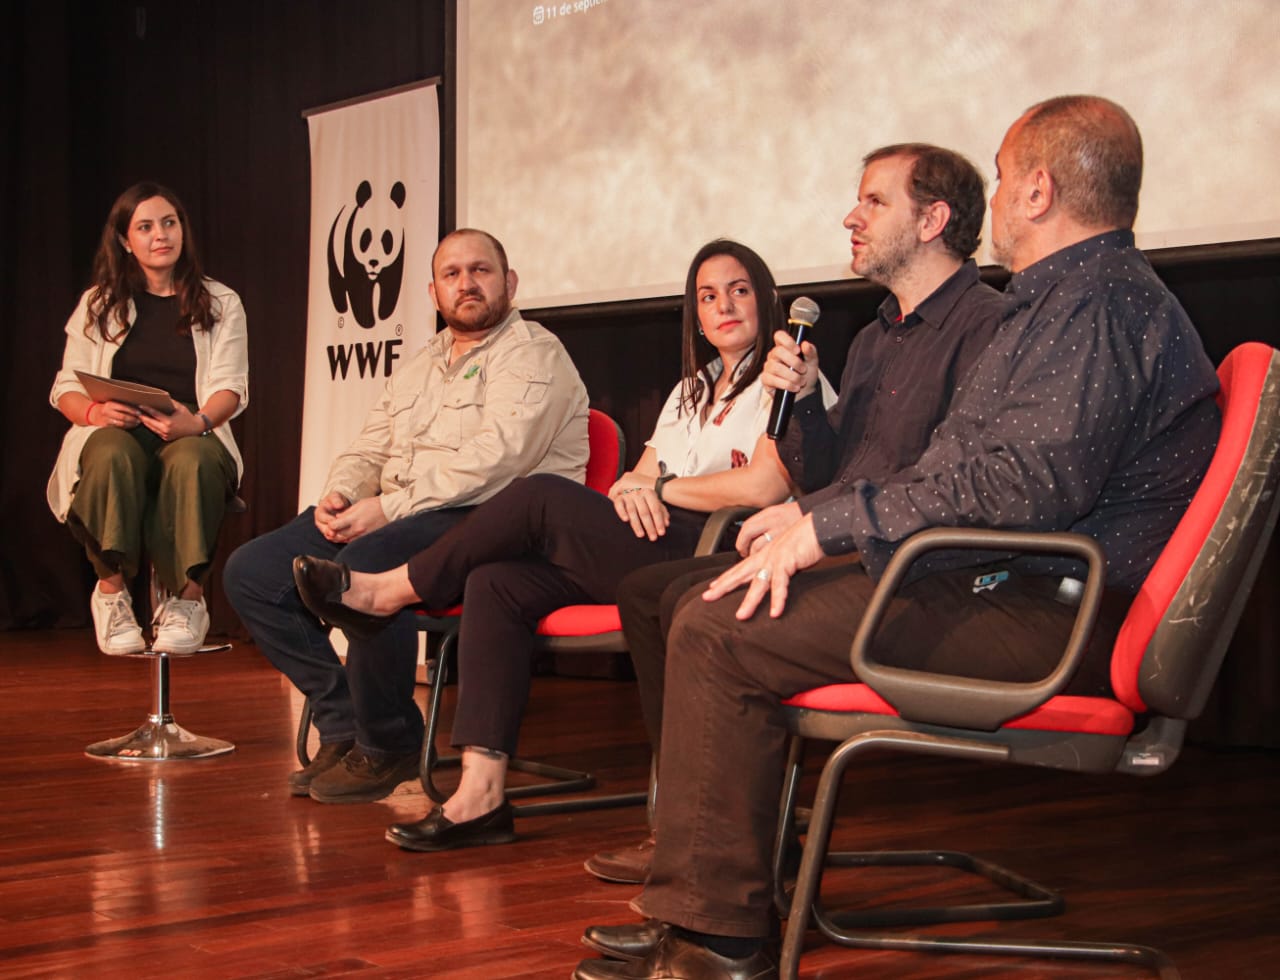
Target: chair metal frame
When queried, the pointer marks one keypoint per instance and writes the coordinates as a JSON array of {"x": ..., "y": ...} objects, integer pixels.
[{"x": 1163, "y": 667}]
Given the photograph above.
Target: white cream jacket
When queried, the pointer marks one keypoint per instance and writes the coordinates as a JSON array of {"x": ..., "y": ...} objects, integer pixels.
[{"x": 222, "y": 363}]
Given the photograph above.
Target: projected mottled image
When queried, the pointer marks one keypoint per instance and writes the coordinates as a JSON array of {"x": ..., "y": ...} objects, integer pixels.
[{"x": 605, "y": 140}]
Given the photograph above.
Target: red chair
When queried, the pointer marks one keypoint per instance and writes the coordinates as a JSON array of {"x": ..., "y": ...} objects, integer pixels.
[
  {"x": 589, "y": 628},
  {"x": 593, "y": 628},
  {"x": 1163, "y": 666}
]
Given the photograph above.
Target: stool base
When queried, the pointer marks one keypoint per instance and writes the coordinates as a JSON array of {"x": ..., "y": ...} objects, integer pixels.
[{"x": 158, "y": 740}]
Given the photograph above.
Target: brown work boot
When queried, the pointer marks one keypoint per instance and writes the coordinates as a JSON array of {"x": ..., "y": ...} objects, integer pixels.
[
  {"x": 363, "y": 778},
  {"x": 629, "y": 866},
  {"x": 327, "y": 756}
]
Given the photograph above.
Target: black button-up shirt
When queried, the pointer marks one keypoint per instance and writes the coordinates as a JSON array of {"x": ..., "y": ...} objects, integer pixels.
[
  {"x": 898, "y": 380},
  {"x": 1091, "y": 411}
]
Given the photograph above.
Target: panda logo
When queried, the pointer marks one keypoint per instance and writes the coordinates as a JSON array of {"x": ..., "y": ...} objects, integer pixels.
[{"x": 366, "y": 249}]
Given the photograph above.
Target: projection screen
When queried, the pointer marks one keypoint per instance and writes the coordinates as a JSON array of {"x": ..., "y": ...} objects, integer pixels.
[{"x": 604, "y": 140}]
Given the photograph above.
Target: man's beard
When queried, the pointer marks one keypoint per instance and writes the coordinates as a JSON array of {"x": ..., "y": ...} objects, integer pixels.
[
  {"x": 478, "y": 318},
  {"x": 894, "y": 255}
]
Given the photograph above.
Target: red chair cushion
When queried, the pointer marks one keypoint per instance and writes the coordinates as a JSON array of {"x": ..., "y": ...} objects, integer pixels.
[
  {"x": 452, "y": 611},
  {"x": 1066, "y": 713},
  {"x": 604, "y": 465},
  {"x": 581, "y": 621}
]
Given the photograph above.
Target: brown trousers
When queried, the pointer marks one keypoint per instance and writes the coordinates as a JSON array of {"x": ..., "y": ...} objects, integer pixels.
[{"x": 723, "y": 737}]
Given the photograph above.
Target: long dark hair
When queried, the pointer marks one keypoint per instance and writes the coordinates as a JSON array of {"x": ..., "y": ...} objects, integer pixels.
[
  {"x": 696, "y": 380},
  {"x": 117, "y": 277}
]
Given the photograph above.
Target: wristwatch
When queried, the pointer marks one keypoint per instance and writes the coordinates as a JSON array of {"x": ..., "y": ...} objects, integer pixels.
[
  {"x": 657, "y": 484},
  {"x": 208, "y": 423}
]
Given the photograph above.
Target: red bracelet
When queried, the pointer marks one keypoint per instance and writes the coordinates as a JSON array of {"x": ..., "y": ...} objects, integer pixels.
[{"x": 88, "y": 414}]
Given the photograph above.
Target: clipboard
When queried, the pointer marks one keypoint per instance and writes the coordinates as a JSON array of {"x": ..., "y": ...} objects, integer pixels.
[{"x": 102, "y": 389}]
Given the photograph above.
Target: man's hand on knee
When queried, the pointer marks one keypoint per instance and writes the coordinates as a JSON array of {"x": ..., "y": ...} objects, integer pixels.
[
  {"x": 762, "y": 527},
  {"x": 769, "y": 569}
]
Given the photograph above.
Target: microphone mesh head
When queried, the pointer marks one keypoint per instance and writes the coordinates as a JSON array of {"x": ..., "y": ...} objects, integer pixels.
[{"x": 805, "y": 310}]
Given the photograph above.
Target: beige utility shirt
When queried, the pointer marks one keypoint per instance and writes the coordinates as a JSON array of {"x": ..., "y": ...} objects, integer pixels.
[{"x": 453, "y": 435}]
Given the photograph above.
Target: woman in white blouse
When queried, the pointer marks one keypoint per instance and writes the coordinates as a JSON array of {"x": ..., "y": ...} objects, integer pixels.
[
  {"x": 131, "y": 477},
  {"x": 545, "y": 542}
]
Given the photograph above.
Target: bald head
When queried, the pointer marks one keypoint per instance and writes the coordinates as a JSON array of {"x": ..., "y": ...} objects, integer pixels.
[
  {"x": 499, "y": 253},
  {"x": 1092, "y": 149}
]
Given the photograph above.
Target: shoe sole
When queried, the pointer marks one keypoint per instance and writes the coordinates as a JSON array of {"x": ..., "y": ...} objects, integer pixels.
[
  {"x": 612, "y": 878},
  {"x": 177, "y": 649},
  {"x": 370, "y": 797},
  {"x": 614, "y": 954},
  {"x": 120, "y": 651},
  {"x": 482, "y": 840}
]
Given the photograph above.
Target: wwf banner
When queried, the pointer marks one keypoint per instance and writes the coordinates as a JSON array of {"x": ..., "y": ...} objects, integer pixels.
[{"x": 375, "y": 191}]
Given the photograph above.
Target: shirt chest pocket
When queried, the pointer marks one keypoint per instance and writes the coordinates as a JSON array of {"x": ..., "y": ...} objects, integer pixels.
[
  {"x": 461, "y": 410},
  {"x": 466, "y": 401},
  {"x": 403, "y": 418}
]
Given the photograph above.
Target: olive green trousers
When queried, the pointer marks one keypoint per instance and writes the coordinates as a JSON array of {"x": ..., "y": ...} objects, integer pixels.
[{"x": 138, "y": 493}]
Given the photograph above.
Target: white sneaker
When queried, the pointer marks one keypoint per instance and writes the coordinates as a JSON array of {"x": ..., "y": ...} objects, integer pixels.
[
  {"x": 181, "y": 625},
  {"x": 113, "y": 621}
]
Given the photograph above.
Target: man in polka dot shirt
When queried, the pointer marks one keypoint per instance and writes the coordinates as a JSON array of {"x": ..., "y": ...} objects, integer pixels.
[{"x": 1092, "y": 410}]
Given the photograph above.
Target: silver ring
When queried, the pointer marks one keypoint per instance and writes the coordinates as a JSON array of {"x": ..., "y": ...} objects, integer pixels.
[
  {"x": 763, "y": 575},
  {"x": 768, "y": 538}
]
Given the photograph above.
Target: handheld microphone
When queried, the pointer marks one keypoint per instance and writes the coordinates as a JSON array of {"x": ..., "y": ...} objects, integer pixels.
[{"x": 803, "y": 315}]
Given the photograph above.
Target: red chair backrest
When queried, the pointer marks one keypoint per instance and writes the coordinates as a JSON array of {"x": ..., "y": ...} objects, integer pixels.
[
  {"x": 607, "y": 451},
  {"x": 1171, "y": 645}
]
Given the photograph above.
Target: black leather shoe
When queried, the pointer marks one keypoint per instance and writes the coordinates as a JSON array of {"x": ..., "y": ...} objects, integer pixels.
[
  {"x": 626, "y": 942},
  {"x": 328, "y": 756},
  {"x": 679, "y": 959},
  {"x": 436, "y": 832},
  {"x": 321, "y": 583}
]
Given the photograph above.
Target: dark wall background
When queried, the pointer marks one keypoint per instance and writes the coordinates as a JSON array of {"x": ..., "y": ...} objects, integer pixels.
[{"x": 206, "y": 97}]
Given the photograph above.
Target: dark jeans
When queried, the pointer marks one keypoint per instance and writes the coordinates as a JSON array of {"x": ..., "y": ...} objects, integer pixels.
[
  {"x": 724, "y": 681},
  {"x": 371, "y": 700},
  {"x": 544, "y": 542}
]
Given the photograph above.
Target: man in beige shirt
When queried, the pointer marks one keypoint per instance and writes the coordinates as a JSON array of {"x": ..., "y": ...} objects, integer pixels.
[{"x": 490, "y": 398}]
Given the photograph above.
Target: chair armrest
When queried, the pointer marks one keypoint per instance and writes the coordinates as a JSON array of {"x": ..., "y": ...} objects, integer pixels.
[
  {"x": 718, "y": 524},
  {"x": 966, "y": 702}
]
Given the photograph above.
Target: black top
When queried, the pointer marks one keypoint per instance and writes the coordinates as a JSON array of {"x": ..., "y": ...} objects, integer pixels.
[
  {"x": 1091, "y": 411},
  {"x": 898, "y": 380},
  {"x": 154, "y": 353}
]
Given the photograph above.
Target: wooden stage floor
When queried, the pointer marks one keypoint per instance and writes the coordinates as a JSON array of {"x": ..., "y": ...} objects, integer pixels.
[{"x": 209, "y": 869}]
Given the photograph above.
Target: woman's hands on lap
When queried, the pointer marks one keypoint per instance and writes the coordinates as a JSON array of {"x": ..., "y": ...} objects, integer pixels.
[
  {"x": 169, "y": 427},
  {"x": 112, "y": 415},
  {"x": 637, "y": 504}
]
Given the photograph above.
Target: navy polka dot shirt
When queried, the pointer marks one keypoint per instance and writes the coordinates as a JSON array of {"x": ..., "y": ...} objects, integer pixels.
[{"x": 1091, "y": 411}]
